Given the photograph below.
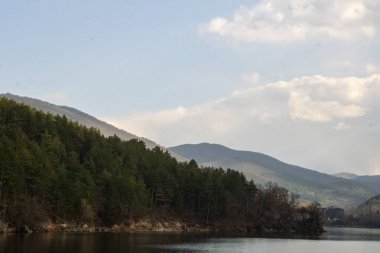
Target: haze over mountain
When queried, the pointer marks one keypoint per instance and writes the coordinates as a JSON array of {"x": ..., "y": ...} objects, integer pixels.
[
  {"x": 345, "y": 175},
  {"x": 370, "y": 181},
  {"x": 310, "y": 185},
  {"x": 82, "y": 118}
]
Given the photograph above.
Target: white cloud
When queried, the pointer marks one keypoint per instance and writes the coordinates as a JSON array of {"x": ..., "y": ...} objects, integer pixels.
[
  {"x": 323, "y": 99},
  {"x": 303, "y": 115},
  {"x": 297, "y": 20},
  {"x": 309, "y": 98},
  {"x": 303, "y": 107}
]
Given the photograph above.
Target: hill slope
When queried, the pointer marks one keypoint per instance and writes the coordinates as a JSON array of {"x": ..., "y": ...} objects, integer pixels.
[
  {"x": 83, "y": 119},
  {"x": 370, "y": 206},
  {"x": 310, "y": 185},
  {"x": 372, "y": 182},
  {"x": 345, "y": 175},
  {"x": 78, "y": 116}
]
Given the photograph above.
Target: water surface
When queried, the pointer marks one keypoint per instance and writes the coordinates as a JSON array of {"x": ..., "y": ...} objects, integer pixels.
[{"x": 345, "y": 240}]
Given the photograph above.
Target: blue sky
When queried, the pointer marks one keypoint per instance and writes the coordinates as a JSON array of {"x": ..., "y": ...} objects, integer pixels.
[
  {"x": 296, "y": 79},
  {"x": 143, "y": 54}
]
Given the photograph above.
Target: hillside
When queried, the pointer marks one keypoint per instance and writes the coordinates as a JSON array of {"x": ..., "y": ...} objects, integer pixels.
[
  {"x": 78, "y": 116},
  {"x": 55, "y": 171},
  {"x": 345, "y": 175},
  {"x": 372, "y": 182},
  {"x": 370, "y": 207},
  {"x": 310, "y": 185},
  {"x": 366, "y": 214},
  {"x": 83, "y": 119}
]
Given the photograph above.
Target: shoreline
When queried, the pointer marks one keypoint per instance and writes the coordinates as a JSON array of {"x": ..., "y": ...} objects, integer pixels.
[{"x": 143, "y": 225}]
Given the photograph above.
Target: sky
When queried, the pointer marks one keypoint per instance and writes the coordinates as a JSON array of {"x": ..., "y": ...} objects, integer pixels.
[{"x": 295, "y": 79}]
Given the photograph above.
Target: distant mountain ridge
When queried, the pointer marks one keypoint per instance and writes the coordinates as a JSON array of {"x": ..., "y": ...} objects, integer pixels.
[
  {"x": 310, "y": 185},
  {"x": 83, "y": 119},
  {"x": 345, "y": 175},
  {"x": 372, "y": 182}
]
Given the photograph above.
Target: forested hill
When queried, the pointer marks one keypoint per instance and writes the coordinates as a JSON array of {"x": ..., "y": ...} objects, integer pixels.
[
  {"x": 52, "y": 169},
  {"x": 83, "y": 119}
]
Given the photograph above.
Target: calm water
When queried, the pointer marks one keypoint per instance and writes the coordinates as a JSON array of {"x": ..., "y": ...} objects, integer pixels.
[{"x": 335, "y": 240}]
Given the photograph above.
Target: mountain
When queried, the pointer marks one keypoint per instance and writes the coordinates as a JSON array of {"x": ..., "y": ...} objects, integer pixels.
[
  {"x": 78, "y": 116},
  {"x": 310, "y": 185},
  {"x": 345, "y": 175},
  {"x": 370, "y": 207},
  {"x": 372, "y": 182},
  {"x": 55, "y": 171},
  {"x": 83, "y": 119}
]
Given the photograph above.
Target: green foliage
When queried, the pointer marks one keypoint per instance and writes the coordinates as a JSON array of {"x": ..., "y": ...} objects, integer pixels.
[{"x": 52, "y": 168}]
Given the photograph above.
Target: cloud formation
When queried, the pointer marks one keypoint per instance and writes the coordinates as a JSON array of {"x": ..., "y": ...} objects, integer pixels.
[
  {"x": 296, "y": 20},
  {"x": 311, "y": 116}
]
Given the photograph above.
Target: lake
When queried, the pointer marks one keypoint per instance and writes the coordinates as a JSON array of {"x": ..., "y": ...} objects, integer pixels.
[{"x": 345, "y": 240}]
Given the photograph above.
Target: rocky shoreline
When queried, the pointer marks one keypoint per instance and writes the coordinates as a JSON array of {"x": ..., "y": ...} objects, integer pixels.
[
  {"x": 142, "y": 225},
  {"x": 150, "y": 224}
]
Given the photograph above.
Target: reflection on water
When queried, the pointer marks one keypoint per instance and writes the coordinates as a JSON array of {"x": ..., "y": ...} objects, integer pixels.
[
  {"x": 346, "y": 240},
  {"x": 84, "y": 242},
  {"x": 262, "y": 245},
  {"x": 366, "y": 234}
]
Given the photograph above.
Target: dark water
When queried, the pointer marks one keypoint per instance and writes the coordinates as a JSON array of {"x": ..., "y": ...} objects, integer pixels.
[{"x": 335, "y": 240}]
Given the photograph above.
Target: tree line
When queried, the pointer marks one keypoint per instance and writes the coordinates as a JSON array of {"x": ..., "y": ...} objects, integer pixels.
[{"x": 55, "y": 169}]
